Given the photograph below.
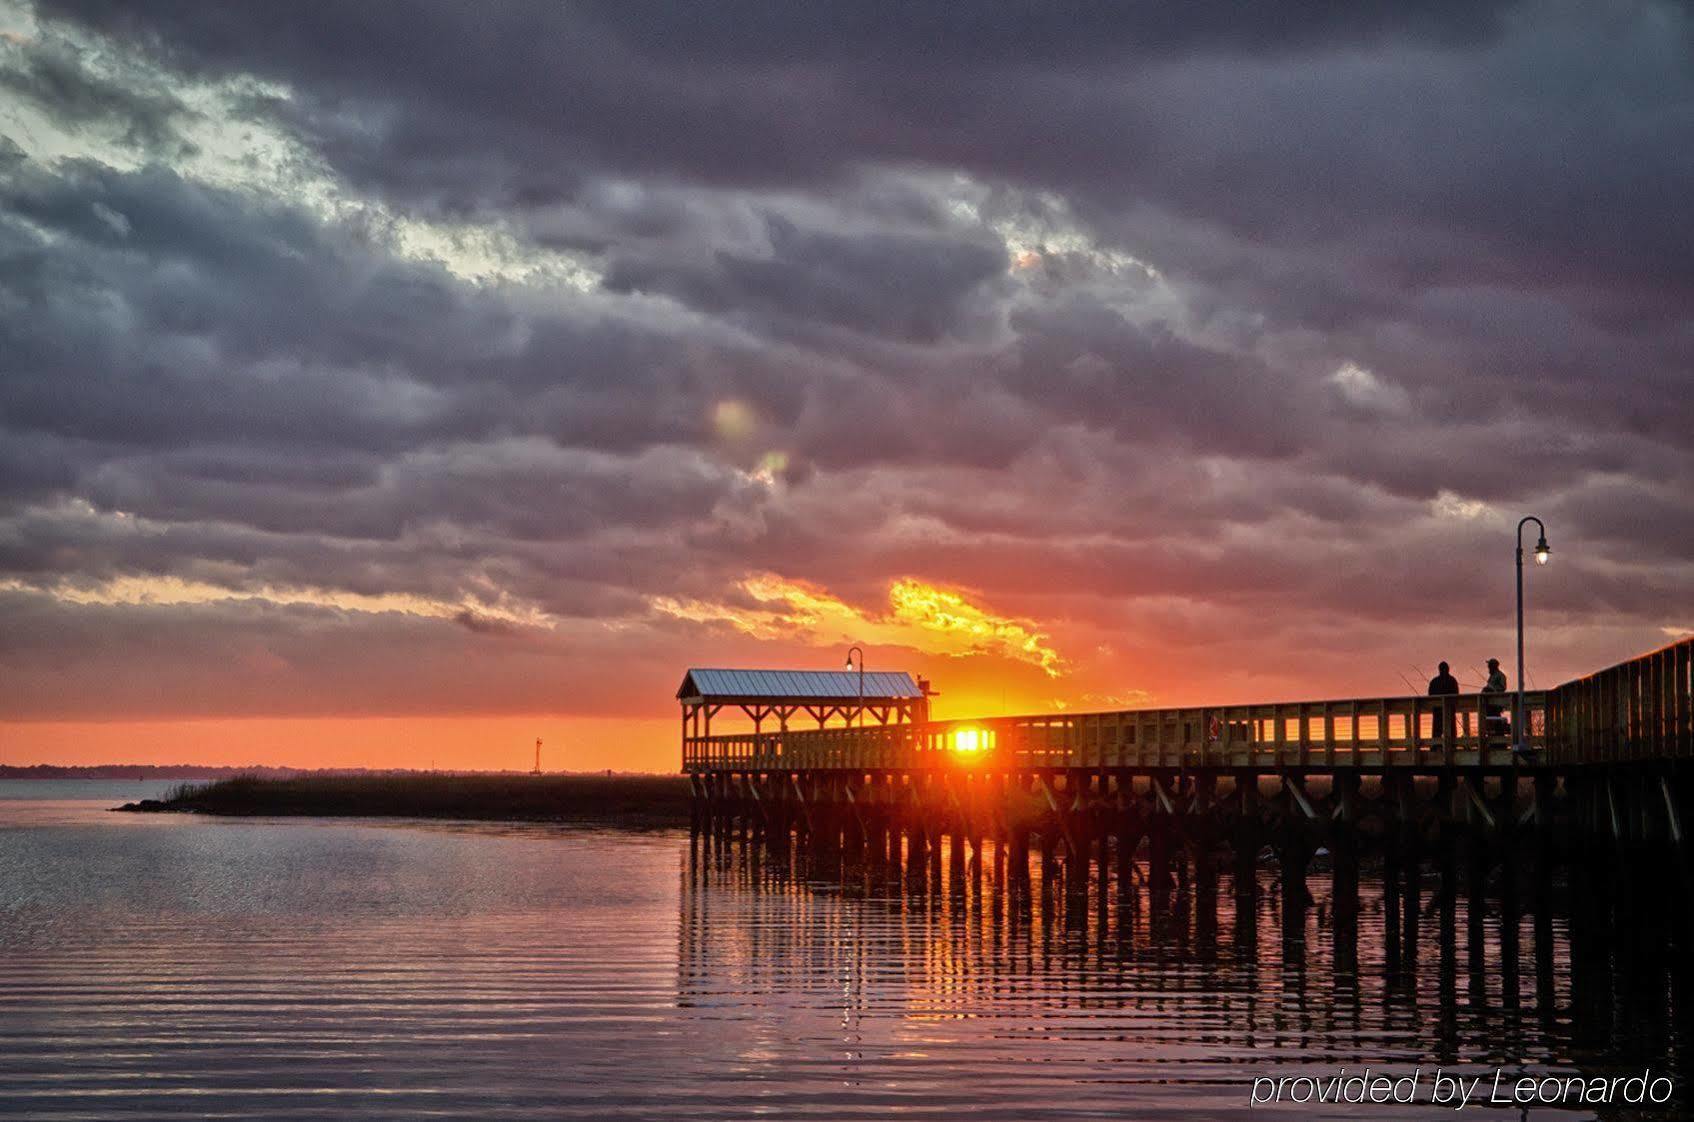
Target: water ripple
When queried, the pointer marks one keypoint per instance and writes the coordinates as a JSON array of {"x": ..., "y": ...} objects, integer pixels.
[{"x": 330, "y": 970}]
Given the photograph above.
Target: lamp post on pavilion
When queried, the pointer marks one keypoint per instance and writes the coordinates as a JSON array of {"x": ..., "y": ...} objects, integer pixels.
[
  {"x": 851, "y": 651},
  {"x": 1543, "y": 552}
]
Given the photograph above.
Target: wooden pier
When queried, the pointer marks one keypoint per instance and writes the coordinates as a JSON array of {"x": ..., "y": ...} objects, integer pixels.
[{"x": 1604, "y": 759}]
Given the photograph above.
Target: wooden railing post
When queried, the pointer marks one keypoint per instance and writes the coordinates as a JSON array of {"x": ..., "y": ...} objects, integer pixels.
[{"x": 1449, "y": 718}]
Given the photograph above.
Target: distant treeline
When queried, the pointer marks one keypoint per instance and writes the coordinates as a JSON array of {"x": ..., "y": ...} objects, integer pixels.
[{"x": 640, "y": 801}]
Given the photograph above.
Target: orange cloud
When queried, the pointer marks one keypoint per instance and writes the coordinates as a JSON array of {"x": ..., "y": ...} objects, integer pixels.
[
  {"x": 940, "y": 611},
  {"x": 920, "y": 615}
]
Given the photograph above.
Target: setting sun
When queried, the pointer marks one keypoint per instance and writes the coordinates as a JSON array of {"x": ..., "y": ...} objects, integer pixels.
[{"x": 969, "y": 741}]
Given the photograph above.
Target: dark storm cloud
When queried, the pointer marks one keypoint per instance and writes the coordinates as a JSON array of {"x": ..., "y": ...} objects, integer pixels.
[
  {"x": 1086, "y": 360},
  {"x": 188, "y": 315},
  {"x": 1303, "y": 124},
  {"x": 897, "y": 286},
  {"x": 152, "y": 311},
  {"x": 1166, "y": 316},
  {"x": 479, "y": 105},
  {"x": 1337, "y": 134},
  {"x": 910, "y": 33}
]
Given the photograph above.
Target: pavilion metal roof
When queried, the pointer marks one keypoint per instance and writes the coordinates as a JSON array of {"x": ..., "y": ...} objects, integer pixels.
[{"x": 797, "y": 685}]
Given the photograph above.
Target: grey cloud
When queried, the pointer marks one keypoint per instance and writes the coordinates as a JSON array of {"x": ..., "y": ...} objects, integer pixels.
[
  {"x": 771, "y": 95},
  {"x": 1250, "y": 120},
  {"x": 896, "y": 286},
  {"x": 56, "y": 77},
  {"x": 1148, "y": 383}
]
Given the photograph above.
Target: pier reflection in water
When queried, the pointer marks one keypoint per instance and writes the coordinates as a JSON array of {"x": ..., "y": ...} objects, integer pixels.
[
  {"x": 157, "y": 966},
  {"x": 1107, "y": 990}
]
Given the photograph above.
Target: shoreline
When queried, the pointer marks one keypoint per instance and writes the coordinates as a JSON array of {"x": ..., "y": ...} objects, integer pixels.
[{"x": 628, "y": 801}]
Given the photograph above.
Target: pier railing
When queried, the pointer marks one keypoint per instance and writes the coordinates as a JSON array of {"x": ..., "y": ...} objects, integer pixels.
[
  {"x": 1638, "y": 710},
  {"x": 1471, "y": 730}
]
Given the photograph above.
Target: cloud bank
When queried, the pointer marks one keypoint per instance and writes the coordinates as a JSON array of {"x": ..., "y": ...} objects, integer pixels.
[{"x": 372, "y": 358}]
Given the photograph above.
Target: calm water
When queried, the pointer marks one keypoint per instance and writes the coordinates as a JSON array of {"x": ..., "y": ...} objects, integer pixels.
[{"x": 155, "y": 966}]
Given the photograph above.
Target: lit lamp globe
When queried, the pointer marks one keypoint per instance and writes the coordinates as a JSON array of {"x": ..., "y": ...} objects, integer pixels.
[{"x": 1543, "y": 551}]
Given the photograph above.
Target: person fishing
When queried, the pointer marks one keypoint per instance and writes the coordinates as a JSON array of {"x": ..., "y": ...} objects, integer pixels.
[
  {"x": 1494, "y": 712},
  {"x": 1445, "y": 685}
]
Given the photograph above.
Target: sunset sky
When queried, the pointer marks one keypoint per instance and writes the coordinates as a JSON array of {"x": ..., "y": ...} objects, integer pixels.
[{"x": 393, "y": 384}]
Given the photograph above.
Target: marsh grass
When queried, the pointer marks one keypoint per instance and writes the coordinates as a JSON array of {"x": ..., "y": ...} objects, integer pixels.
[
  {"x": 638, "y": 801},
  {"x": 189, "y": 789}
]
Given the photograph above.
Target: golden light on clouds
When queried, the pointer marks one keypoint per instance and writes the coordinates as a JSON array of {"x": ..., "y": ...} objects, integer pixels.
[
  {"x": 920, "y": 615},
  {"x": 770, "y": 469},
  {"x": 939, "y": 610},
  {"x": 132, "y": 591}
]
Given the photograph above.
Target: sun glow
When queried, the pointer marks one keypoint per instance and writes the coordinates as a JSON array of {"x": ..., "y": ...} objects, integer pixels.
[{"x": 969, "y": 741}]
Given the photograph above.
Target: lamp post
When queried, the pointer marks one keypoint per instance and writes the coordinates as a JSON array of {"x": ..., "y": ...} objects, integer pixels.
[
  {"x": 851, "y": 651},
  {"x": 1543, "y": 551}
]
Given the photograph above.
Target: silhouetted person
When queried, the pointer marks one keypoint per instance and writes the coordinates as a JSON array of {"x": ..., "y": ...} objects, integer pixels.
[
  {"x": 1495, "y": 711},
  {"x": 1444, "y": 685}
]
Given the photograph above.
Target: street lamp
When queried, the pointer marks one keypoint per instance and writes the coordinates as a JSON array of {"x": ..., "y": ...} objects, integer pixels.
[
  {"x": 851, "y": 651},
  {"x": 1543, "y": 552}
]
